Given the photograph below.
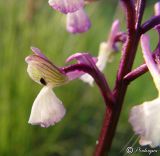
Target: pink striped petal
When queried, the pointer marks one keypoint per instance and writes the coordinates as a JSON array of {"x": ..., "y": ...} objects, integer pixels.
[{"x": 66, "y": 6}]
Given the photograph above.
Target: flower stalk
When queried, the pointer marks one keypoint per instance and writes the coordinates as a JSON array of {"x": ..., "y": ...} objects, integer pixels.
[
  {"x": 142, "y": 69},
  {"x": 128, "y": 55}
]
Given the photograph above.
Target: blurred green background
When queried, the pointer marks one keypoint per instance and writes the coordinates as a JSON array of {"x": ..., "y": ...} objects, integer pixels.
[{"x": 23, "y": 25}]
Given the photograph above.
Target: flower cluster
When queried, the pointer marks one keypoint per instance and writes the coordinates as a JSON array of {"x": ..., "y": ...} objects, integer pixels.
[
  {"x": 47, "y": 109},
  {"x": 77, "y": 19}
]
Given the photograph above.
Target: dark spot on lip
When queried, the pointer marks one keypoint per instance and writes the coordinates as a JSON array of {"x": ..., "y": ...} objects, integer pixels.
[{"x": 43, "y": 81}]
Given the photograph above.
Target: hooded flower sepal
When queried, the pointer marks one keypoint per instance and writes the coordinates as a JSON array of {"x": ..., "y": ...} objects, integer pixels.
[
  {"x": 145, "y": 120},
  {"x": 43, "y": 71},
  {"x": 66, "y": 6},
  {"x": 47, "y": 109}
]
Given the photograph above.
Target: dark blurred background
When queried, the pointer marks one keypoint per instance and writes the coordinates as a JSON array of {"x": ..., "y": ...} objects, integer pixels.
[{"x": 34, "y": 23}]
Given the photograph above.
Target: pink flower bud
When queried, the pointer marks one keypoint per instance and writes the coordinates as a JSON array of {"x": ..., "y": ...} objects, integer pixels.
[{"x": 78, "y": 22}]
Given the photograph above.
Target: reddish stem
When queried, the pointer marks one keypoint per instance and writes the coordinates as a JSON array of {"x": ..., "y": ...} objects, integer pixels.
[
  {"x": 115, "y": 101},
  {"x": 128, "y": 55}
]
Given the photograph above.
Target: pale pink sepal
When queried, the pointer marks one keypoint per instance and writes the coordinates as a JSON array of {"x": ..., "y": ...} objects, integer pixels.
[
  {"x": 47, "y": 109},
  {"x": 145, "y": 120},
  {"x": 66, "y": 6}
]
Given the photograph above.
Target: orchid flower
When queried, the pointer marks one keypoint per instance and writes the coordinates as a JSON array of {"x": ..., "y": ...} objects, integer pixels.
[
  {"x": 77, "y": 20},
  {"x": 106, "y": 52},
  {"x": 47, "y": 109},
  {"x": 145, "y": 118}
]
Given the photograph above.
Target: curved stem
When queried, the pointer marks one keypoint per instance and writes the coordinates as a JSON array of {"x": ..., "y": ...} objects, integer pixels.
[
  {"x": 151, "y": 23},
  {"x": 136, "y": 73}
]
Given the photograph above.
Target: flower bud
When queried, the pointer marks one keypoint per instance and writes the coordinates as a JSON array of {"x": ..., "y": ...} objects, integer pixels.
[{"x": 78, "y": 22}]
